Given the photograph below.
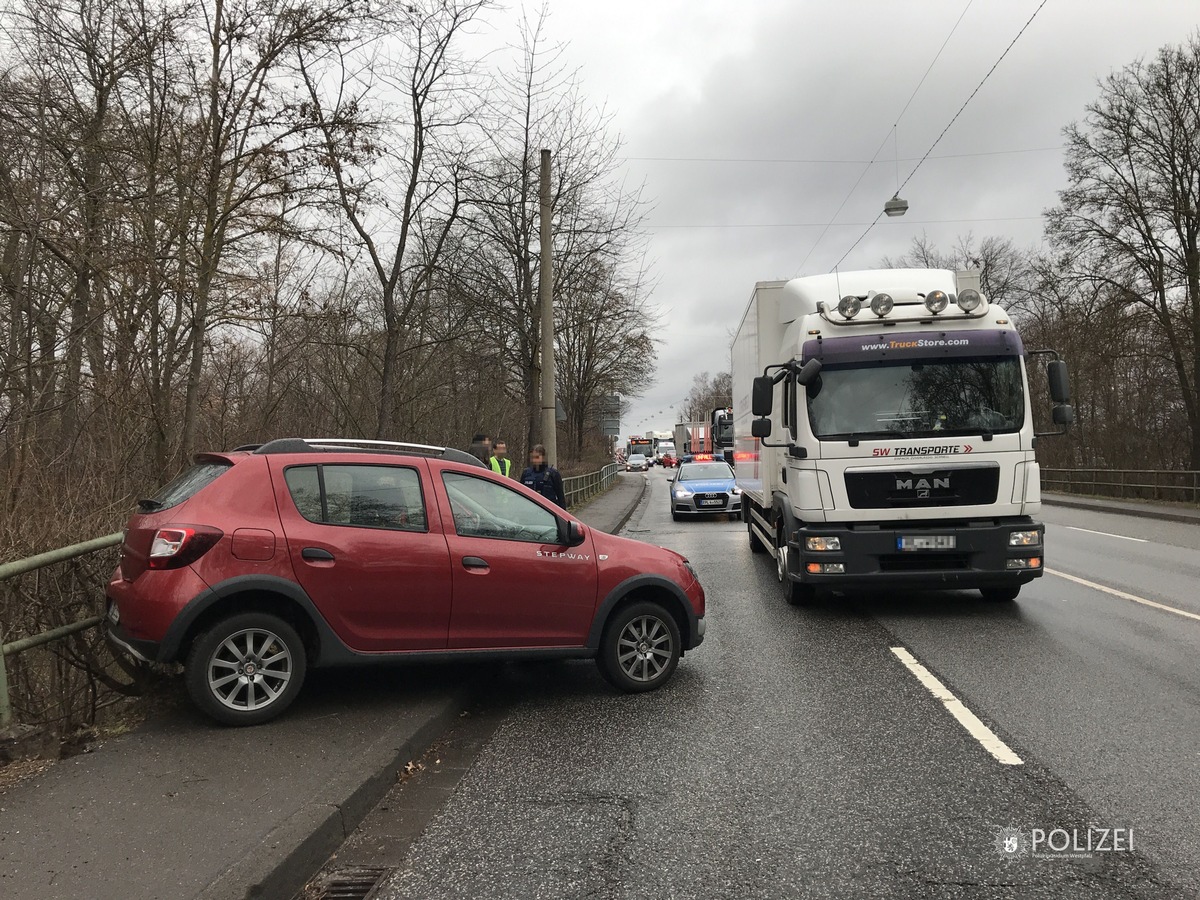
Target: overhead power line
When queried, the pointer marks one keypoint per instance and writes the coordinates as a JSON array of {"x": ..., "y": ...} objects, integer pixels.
[
  {"x": 953, "y": 119},
  {"x": 841, "y": 224},
  {"x": 882, "y": 143},
  {"x": 831, "y": 162}
]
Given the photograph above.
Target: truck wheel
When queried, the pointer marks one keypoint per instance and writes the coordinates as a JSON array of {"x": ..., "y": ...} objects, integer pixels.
[
  {"x": 795, "y": 593},
  {"x": 756, "y": 546},
  {"x": 640, "y": 648},
  {"x": 246, "y": 669},
  {"x": 1000, "y": 595}
]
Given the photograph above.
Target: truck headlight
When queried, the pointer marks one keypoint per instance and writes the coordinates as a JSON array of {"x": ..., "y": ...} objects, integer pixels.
[
  {"x": 1023, "y": 539},
  {"x": 821, "y": 544}
]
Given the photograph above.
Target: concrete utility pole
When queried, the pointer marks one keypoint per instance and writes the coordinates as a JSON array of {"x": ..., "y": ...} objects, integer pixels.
[{"x": 546, "y": 298}]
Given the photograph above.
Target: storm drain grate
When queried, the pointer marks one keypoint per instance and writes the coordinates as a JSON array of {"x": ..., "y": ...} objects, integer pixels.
[{"x": 352, "y": 884}]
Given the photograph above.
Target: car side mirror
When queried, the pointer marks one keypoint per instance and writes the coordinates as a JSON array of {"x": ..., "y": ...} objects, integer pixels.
[
  {"x": 573, "y": 533},
  {"x": 760, "y": 428},
  {"x": 761, "y": 398}
]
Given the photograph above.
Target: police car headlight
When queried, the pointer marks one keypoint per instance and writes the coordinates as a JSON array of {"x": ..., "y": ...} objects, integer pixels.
[{"x": 682, "y": 492}]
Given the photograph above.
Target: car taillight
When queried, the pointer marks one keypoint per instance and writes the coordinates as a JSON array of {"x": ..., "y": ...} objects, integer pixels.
[{"x": 173, "y": 548}]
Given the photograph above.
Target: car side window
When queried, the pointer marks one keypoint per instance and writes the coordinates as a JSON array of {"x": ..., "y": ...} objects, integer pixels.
[
  {"x": 360, "y": 496},
  {"x": 483, "y": 508}
]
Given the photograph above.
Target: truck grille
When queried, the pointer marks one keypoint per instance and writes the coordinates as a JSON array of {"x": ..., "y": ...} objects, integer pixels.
[{"x": 973, "y": 486}]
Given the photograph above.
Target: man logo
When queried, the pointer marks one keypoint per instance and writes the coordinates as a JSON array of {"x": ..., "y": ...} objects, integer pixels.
[{"x": 923, "y": 485}]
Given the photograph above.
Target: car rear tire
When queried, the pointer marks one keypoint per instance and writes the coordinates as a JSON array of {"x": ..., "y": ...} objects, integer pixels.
[
  {"x": 1000, "y": 595},
  {"x": 246, "y": 669},
  {"x": 795, "y": 593},
  {"x": 640, "y": 648}
]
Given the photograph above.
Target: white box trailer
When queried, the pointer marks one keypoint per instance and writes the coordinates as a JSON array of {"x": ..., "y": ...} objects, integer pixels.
[{"x": 884, "y": 436}]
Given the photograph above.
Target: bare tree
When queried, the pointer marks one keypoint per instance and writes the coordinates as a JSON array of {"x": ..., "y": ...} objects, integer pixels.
[{"x": 1131, "y": 211}]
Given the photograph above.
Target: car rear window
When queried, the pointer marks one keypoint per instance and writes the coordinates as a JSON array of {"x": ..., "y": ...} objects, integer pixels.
[{"x": 189, "y": 483}]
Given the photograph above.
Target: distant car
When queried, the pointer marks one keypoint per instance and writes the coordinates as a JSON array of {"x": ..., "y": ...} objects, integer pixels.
[
  {"x": 637, "y": 463},
  {"x": 669, "y": 461},
  {"x": 704, "y": 487}
]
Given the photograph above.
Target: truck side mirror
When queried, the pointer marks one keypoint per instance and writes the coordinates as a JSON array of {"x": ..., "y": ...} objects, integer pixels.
[
  {"x": 761, "y": 428},
  {"x": 808, "y": 372},
  {"x": 1060, "y": 386},
  {"x": 1063, "y": 413},
  {"x": 761, "y": 398}
]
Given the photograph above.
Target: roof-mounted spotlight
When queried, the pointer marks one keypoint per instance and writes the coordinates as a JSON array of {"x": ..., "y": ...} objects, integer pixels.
[
  {"x": 849, "y": 306},
  {"x": 936, "y": 301},
  {"x": 896, "y": 206},
  {"x": 881, "y": 304},
  {"x": 969, "y": 300}
]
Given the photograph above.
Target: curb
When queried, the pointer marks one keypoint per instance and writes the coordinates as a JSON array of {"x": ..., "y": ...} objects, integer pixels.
[
  {"x": 291, "y": 852},
  {"x": 629, "y": 510},
  {"x": 1164, "y": 514}
]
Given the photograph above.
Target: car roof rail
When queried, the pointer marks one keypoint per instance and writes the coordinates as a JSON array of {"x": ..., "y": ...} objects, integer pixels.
[{"x": 403, "y": 448}]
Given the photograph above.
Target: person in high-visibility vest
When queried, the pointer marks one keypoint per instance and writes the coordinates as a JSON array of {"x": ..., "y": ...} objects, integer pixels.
[{"x": 499, "y": 460}]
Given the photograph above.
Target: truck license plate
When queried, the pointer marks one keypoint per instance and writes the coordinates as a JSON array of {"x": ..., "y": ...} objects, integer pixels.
[{"x": 925, "y": 542}]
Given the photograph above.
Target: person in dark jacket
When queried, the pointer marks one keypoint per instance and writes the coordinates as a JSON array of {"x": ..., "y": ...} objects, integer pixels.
[
  {"x": 544, "y": 478},
  {"x": 481, "y": 448}
]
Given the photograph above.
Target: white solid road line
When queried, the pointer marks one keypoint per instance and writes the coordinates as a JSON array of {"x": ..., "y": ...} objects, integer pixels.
[
  {"x": 1123, "y": 537},
  {"x": 1123, "y": 595},
  {"x": 966, "y": 718}
]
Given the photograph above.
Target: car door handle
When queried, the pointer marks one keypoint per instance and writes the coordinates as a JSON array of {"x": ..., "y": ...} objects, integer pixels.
[
  {"x": 474, "y": 562},
  {"x": 316, "y": 553}
]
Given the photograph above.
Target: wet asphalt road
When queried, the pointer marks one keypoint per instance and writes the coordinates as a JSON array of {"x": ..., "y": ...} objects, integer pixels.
[{"x": 794, "y": 756}]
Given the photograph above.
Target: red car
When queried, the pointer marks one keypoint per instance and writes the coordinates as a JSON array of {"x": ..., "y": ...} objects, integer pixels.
[
  {"x": 669, "y": 461},
  {"x": 258, "y": 563}
]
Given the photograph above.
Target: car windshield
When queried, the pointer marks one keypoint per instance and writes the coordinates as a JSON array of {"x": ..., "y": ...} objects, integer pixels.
[
  {"x": 637, "y": 457},
  {"x": 922, "y": 398},
  {"x": 705, "y": 472}
]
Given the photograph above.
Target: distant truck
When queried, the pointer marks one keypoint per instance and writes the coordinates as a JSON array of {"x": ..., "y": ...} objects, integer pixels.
[
  {"x": 712, "y": 439},
  {"x": 884, "y": 435}
]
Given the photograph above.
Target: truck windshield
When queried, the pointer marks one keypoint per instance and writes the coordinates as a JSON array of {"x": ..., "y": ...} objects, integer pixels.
[
  {"x": 723, "y": 432},
  {"x": 918, "y": 398}
]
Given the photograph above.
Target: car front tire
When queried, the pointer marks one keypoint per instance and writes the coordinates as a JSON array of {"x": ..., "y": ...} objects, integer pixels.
[
  {"x": 640, "y": 648},
  {"x": 246, "y": 669}
]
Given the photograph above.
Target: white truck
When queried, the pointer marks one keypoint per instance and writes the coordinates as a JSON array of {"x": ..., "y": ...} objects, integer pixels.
[{"x": 883, "y": 434}]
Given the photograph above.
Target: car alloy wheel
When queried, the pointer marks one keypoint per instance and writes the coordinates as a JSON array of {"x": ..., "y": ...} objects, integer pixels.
[
  {"x": 640, "y": 647},
  {"x": 247, "y": 669}
]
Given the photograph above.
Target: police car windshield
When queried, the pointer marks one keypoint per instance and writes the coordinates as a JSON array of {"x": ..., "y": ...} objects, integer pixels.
[
  {"x": 705, "y": 472},
  {"x": 918, "y": 398}
]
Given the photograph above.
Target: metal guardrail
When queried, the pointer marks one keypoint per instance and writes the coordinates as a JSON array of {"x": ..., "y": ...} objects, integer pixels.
[
  {"x": 578, "y": 489},
  {"x": 30, "y": 564},
  {"x": 1172, "y": 485},
  {"x": 582, "y": 487}
]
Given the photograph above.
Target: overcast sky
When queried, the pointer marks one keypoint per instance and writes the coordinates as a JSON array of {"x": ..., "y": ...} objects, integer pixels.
[{"x": 792, "y": 98}]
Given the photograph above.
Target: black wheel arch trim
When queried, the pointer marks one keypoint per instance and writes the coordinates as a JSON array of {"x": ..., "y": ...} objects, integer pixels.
[
  {"x": 330, "y": 645},
  {"x": 690, "y": 635}
]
